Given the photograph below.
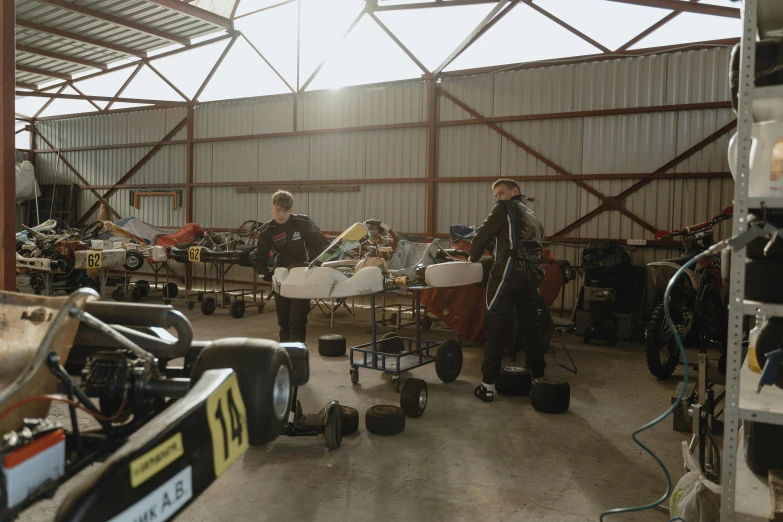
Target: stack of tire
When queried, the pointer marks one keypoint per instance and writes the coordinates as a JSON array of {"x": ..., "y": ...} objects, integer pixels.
[{"x": 547, "y": 394}]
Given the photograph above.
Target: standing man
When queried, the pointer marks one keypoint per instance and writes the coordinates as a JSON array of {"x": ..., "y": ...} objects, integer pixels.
[
  {"x": 513, "y": 281},
  {"x": 295, "y": 240}
]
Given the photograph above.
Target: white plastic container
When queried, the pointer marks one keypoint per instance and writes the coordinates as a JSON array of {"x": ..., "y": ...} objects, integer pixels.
[{"x": 766, "y": 159}]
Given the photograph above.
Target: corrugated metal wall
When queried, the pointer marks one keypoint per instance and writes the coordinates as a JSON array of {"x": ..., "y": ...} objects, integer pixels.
[{"x": 607, "y": 144}]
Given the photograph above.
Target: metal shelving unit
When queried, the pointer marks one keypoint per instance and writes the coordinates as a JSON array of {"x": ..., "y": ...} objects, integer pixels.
[{"x": 745, "y": 495}]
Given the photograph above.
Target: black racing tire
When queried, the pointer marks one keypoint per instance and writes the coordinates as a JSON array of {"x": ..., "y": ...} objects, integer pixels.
[
  {"x": 350, "y": 419},
  {"x": 391, "y": 343},
  {"x": 384, "y": 420},
  {"x": 768, "y": 55},
  {"x": 661, "y": 351},
  {"x": 763, "y": 450},
  {"x": 333, "y": 427},
  {"x": 426, "y": 323},
  {"x": 133, "y": 261},
  {"x": 331, "y": 345},
  {"x": 118, "y": 294},
  {"x": 137, "y": 294},
  {"x": 514, "y": 381},
  {"x": 566, "y": 270},
  {"x": 144, "y": 286},
  {"x": 448, "y": 360},
  {"x": 413, "y": 398},
  {"x": 191, "y": 305},
  {"x": 393, "y": 319},
  {"x": 237, "y": 309},
  {"x": 170, "y": 290},
  {"x": 550, "y": 394},
  {"x": 762, "y": 281},
  {"x": 208, "y": 306},
  {"x": 263, "y": 370}
]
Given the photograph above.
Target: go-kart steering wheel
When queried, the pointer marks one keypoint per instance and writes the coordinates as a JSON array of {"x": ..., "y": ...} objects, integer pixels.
[
  {"x": 251, "y": 230},
  {"x": 93, "y": 230}
]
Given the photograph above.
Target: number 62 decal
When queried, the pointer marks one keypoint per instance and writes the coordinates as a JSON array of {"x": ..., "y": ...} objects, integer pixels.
[{"x": 194, "y": 254}]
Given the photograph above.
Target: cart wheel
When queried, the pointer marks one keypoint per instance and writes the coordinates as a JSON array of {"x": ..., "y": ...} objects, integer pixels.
[
  {"x": 237, "y": 309},
  {"x": 133, "y": 261},
  {"x": 208, "y": 306},
  {"x": 118, "y": 294},
  {"x": 137, "y": 294},
  {"x": 414, "y": 397},
  {"x": 226, "y": 299},
  {"x": 191, "y": 305},
  {"x": 385, "y": 420},
  {"x": 167, "y": 302},
  {"x": 144, "y": 286},
  {"x": 333, "y": 427},
  {"x": 396, "y": 383},
  {"x": 170, "y": 290},
  {"x": 393, "y": 319},
  {"x": 391, "y": 343},
  {"x": 261, "y": 308},
  {"x": 448, "y": 360},
  {"x": 200, "y": 296},
  {"x": 354, "y": 375},
  {"x": 426, "y": 323}
]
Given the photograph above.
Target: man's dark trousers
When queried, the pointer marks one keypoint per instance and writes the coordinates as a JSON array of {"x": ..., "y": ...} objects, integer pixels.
[
  {"x": 292, "y": 318},
  {"x": 516, "y": 292}
]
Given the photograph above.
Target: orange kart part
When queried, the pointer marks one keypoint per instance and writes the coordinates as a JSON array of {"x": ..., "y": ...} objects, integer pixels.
[{"x": 462, "y": 308}]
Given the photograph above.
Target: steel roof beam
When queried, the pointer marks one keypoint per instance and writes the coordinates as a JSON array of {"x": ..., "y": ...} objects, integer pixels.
[
  {"x": 89, "y": 97},
  {"x": 472, "y": 36},
  {"x": 42, "y": 72},
  {"x": 23, "y": 85},
  {"x": 566, "y": 26},
  {"x": 194, "y": 12},
  {"x": 116, "y": 20},
  {"x": 79, "y": 38},
  {"x": 678, "y": 5},
  {"x": 61, "y": 57}
]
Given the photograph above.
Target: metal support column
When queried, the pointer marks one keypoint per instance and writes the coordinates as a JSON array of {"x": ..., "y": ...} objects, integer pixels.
[
  {"x": 7, "y": 141},
  {"x": 189, "y": 189}
]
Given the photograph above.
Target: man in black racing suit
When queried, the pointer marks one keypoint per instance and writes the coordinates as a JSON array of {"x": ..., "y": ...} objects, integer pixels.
[
  {"x": 513, "y": 281},
  {"x": 295, "y": 239}
]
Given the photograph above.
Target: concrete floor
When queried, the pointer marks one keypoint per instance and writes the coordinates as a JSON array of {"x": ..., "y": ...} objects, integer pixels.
[{"x": 463, "y": 459}]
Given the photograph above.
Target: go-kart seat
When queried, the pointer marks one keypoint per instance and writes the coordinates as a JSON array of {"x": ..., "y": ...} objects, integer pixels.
[{"x": 31, "y": 328}]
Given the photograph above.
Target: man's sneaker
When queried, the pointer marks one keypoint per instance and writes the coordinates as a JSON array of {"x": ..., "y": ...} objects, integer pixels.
[{"x": 482, "y": 393}]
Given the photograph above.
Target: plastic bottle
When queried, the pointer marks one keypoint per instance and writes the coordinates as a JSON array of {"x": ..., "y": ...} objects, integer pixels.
[{"x": 752, "y": 337}]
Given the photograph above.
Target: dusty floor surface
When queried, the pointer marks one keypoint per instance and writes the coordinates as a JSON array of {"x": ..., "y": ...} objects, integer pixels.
[{"x": 463, "y": 459}]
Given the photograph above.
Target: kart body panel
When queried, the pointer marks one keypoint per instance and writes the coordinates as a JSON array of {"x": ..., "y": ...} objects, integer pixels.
[{"x": 326, "y": 283}]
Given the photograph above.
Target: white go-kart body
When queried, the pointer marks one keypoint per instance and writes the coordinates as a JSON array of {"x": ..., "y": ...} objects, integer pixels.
[{"x": 345, "y": 269}]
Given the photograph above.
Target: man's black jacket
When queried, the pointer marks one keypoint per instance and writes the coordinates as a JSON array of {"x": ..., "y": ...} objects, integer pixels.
[
  {"x": 518, "y": 231},
  {"x": 295, "y": 242}
]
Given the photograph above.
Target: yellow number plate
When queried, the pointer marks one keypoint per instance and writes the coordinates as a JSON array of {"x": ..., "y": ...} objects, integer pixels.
[
  {"x": 194, "y": 254},
  {"x": 227, "y": 420},
  {"x": 94, "y": 259}
]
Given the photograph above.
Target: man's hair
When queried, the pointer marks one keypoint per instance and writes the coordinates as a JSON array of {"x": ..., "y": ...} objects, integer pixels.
[
  {"x": 283, "y": 199},
  {"x": 510, "y": 183}
]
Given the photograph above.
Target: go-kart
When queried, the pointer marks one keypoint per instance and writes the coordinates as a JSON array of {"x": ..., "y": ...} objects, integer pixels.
[
  {"x": 368, "y": 258},
  {"x": 166, "y": 432}
]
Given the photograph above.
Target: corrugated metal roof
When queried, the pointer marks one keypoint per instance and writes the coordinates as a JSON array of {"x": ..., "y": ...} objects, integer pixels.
[{"x": 150, "y": 26}]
